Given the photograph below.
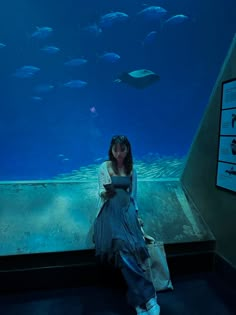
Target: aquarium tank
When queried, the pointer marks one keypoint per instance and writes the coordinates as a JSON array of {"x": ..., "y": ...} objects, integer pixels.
[
  {"x": 74, "y": 73},
  {"x": 61, "y": 96}
]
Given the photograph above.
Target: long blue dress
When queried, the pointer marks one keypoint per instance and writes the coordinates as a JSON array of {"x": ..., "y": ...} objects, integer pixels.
[
  {"x": 119, "y": 240},
  {"x": 117, "y": 228}
]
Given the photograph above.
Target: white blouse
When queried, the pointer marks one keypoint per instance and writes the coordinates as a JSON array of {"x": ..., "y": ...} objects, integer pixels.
[{"x": 105, "y": 178}]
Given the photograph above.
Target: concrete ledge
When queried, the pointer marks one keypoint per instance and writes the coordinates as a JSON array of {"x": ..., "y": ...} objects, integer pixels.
[
  {"x": 86, "y": 271},
  {"x": 57, "y": 217}
]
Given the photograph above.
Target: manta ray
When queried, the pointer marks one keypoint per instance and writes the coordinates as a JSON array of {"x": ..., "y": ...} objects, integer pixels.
[{"x": 138, "y": 79}]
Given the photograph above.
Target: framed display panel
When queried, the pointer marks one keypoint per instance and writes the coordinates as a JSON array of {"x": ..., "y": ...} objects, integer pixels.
[{"x": 226, "y": 163}]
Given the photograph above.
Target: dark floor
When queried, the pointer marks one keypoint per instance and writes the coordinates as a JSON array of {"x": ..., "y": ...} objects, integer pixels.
[{"x": 195, "y": 294}]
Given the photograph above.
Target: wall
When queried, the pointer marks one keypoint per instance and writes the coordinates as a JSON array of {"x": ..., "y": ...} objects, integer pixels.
[{"x": 218, "y": 207}]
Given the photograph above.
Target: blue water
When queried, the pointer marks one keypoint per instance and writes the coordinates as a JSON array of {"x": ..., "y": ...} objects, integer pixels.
[{"x": 68, "y": 128}]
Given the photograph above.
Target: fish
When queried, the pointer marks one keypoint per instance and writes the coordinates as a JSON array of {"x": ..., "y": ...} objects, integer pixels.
[
  {"x": 138, "y": 79},
  {"x": 93, "y": 29},
  {"x": 42, "y": 32},
  {"x": 26, "y": 71},
  {"x": 36, "y": 98},
  {"x": 232, "y": 171},
  {"x": 233, "y": 120},
  {"x": 2, "y": 45},
  {"x": 176, "y": 19},
  {"x": 111, "y": 57},
  {"x": 43, "y": 88},
  {"x": 50, "y": 49},
  {"x": 150, "y": 38},
  {"x": 75, "y": 62},
  {"x": 107, "y": 20},
  {"x": 233, "y": 146},
  {"x": 75, "y": 84},
  {"x": 152, "y": 12}
]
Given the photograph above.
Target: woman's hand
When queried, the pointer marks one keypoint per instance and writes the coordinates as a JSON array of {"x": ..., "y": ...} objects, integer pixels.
[{"x": 108, "y": 194}]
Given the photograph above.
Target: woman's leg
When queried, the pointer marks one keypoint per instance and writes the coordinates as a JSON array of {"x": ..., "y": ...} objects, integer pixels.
[{"x": 140, "y": 290}]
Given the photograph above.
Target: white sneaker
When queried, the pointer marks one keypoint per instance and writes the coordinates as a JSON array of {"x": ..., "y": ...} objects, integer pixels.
[
  {"x": 152, "y": 307},
  {"x": 141, "y": 311}
]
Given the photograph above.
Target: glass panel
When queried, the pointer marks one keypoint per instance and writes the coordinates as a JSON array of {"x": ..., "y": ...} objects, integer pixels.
[{"x": 73, "y": 74}]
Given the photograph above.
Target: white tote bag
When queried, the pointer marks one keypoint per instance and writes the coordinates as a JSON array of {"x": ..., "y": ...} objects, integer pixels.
[{"x": 157, "y": 269}]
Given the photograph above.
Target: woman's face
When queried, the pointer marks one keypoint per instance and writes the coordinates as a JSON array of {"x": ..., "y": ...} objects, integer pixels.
[{"x": 119, "y": 151}]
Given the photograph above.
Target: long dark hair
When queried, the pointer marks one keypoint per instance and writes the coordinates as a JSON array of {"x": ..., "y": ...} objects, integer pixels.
[{"x": 128, "y": 161}]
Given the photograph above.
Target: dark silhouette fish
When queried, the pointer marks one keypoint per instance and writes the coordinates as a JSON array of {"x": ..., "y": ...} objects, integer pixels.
[
  {"x": 138, "y": 79},
  {"x": 233, "y": 120},
  {"x": 231, "y": 171}
]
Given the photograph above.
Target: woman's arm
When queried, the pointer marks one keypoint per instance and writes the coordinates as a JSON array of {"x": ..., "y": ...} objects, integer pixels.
[
  {"x": 134, "y": 189},
  {"x": 103, "y": 178}
]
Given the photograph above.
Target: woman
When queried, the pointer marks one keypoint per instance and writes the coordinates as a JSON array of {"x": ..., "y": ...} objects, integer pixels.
[{"x": 117, "y": 234}]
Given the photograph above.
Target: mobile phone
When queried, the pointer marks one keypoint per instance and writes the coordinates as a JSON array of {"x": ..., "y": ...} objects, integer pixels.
[{"x": 109, "y": 187}]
